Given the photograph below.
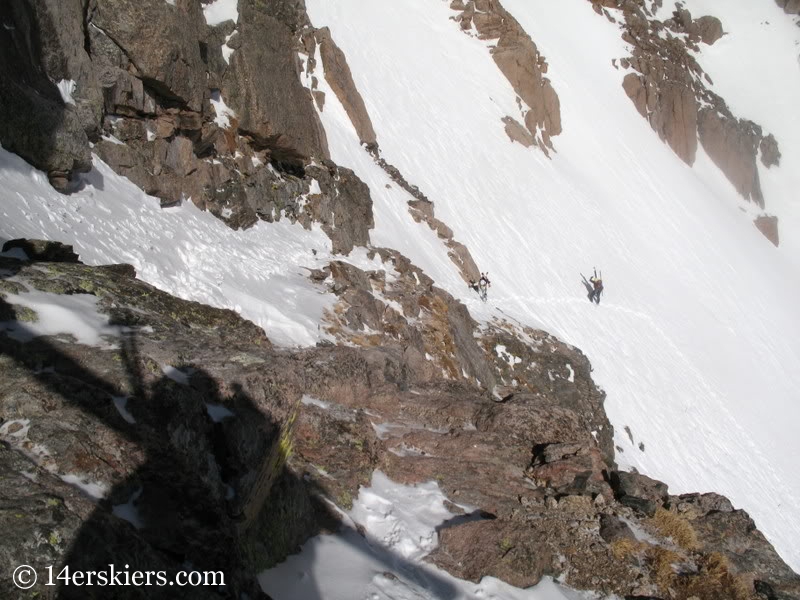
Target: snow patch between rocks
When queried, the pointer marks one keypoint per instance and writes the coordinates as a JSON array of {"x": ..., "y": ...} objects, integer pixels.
[
  {"x": 399, "y": 524},
  {"x": 74, "y": 314},
  {"x": 220, "y": 11}
]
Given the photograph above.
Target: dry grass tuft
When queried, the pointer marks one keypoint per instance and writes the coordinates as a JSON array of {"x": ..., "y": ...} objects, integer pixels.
[
  {"x": 676, "y": 527},
  {"x": 624, "y": 548},
  {"x": 716, "y": 580}
]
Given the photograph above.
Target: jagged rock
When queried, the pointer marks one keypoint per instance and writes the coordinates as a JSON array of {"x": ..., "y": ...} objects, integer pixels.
[
  {"x": 693, "y": 506},
  {"x": 734, "y": 534},
  {"x": 37, "y": 123},
  {"x": 571, "y": 468},
  {"x": 518, "y": 58},
  {"x": 156, "y": 448},
  {"x": 768, "y": 225},
  {"x": 709, "y": 29},
  {"x": 162, "y": 42},
  {"x": 667, "y": 88},
  {"x": 732, "y": 145},
  {"x": 344, "y": 208},
  {"x": 262, "y": 86},
  {"x": 770, "y": 153},
  {"x": 43, "y": 250},
  {"x": 792, "y": 7},
  {"x": 639, "y": 491},
  {"x": 338, "y": 76},
  {"x": 612, "y": 529}
]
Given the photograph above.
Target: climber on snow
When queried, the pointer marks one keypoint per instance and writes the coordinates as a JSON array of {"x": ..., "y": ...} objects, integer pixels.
[
  {"x": 483, "y": 285},
  {"x": 597, "y": 287}
]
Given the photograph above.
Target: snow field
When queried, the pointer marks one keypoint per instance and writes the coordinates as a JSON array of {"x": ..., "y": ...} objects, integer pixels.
[
  {"x": 261, "y": 273},
  {"x": 696, "y": 338}
]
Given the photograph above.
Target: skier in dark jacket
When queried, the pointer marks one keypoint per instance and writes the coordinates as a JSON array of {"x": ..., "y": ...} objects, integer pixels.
[{"x": 597, "y": 287}]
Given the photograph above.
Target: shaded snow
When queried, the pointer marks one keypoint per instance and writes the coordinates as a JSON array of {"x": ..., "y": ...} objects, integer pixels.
[
  {"x": 66, "y": 87},
  {"x": 74, "y": 314},
  {"x": 218, "y": 412},
  {"x": 128, "y": 511},
  {"x": 121, "y": 404},
  {"x": 399, "y": 524},
  {"x": 261, "y": 272}
]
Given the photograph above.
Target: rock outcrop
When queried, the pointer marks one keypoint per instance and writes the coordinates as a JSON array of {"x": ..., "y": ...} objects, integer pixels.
[
  {"x": 273, "y": 108},
  {"x": 180, "y": 438},
  {"x": 48, "y": 99},
  {"x": 340, "y": 80},
  {"x": 518, "y": 58},
  {"x": 792, "y": 7},
  {"x": 768, "y": 225},
  {"x": 187, "y": 111},
  {"x": 669, "y": 88}
]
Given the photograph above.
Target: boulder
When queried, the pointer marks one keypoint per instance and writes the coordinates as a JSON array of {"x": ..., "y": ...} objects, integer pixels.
[
  {"x": 43, "y": 250},
  {"x": 768, "y": 225},
  {"x": 709, "y": 29},
  {"x": 639, "y": 491}
]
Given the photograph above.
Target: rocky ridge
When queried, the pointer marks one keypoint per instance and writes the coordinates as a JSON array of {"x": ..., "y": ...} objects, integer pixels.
[
  {"x": 184, "y": 409},
  {"x": 520, "y": 61},
  {"x": 670, "y": 89}
]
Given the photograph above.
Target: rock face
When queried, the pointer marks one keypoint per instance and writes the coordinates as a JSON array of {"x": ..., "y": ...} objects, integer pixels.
[
  {"x": 338, "y": 76},
  {"x": 518, "y": 58},
  {"x": 768, "y": 225},
  {"x": 668, "y": 88},
  {"x": 733, "y": 146},
  {"x": 47, "y": 129},
  {"x": 180, "y": 438},
  {"x": 262, "y": 82},
  {"x": 160, "y": 40},
  {"x": 149, "y": 84},
  {"x": 791, "y": 7}
]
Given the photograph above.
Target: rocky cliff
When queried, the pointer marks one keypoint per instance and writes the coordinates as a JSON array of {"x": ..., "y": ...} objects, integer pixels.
[
  {"x": 671, "y": 90},
  {"x": 178, "y": 436}
]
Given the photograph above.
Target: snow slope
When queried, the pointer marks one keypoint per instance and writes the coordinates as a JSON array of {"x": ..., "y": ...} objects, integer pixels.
[
  {"x": 697, "y": 340},
  {"x": 259, "y": 272}
]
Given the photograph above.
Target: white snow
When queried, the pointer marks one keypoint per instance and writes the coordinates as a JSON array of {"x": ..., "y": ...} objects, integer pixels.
[
  {"x": 218, "y": 412},
  {"x": 311, "y": 401},
  {"x": 224, "y": 113},
  {"x": 696, "y": 340},
  {"x": 66, "y": 87},
  {"x": 73, "y": 314},
  {"x": 128, "y": 511},
  {"x": 176, "y": 375},
  {"x": 93, "y": 489},
  {"x": 258, "y": 272},
  {"x": 399, "y": 524},
  {"x": 220, "y": 11},
  {"x": 121, "y": 404}
]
